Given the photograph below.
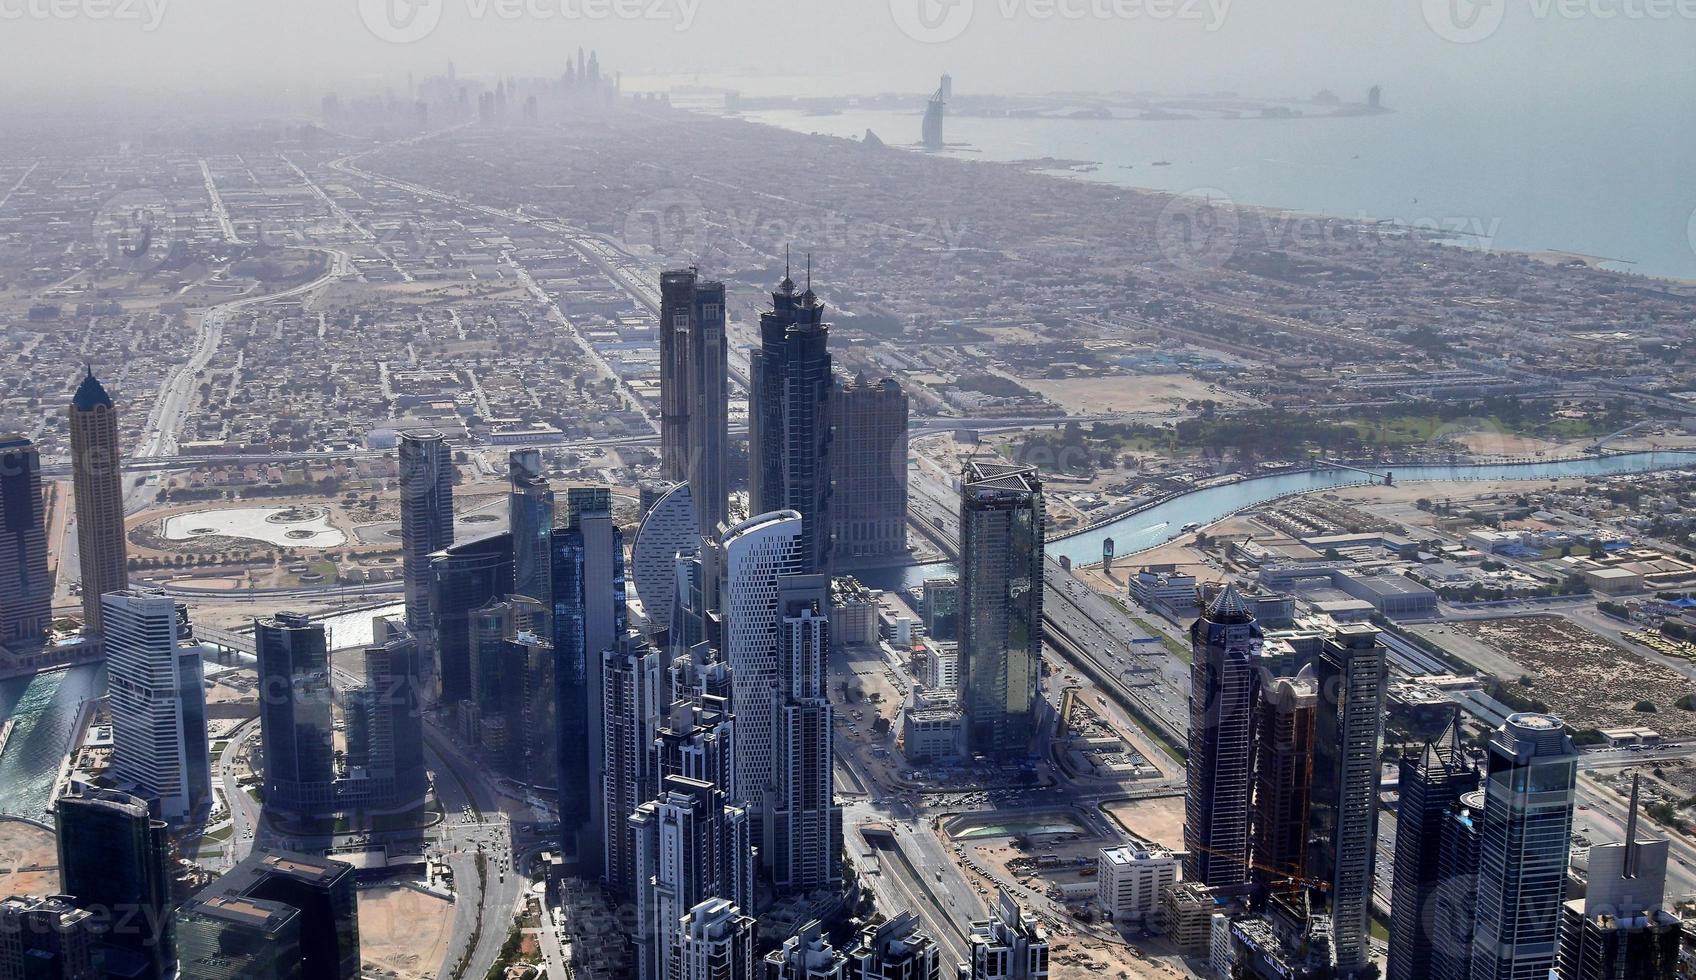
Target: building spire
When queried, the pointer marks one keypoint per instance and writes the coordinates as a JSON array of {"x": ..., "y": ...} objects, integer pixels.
[{"x": 1631, "y": 831}]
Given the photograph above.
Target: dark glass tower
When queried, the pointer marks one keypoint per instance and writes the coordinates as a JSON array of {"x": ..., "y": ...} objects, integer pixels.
[
  {"x": 709, "y": 409},
  {"x": 115, "y": 860},
  {"x": 530, "y": 516},
  {"x": 97, "y": 482},
  {"x": 295, "y": 715},
  {"x": 1001, "y": 583},
  {"x": 869, "y": 463},
  {"x": 588, "y": 618},
  {"x": 1219, "y": 771},
  {"x": 789, "y": 419},
  {"x": 247, "y": 909},
  {"x": 426, "y": 517},
  {"x": 1452, "y": 912},
  {"x": 1431, "y": 782},
  {"x": 26, "y": 593},
  {"x": 1285, "y": 710},
  {"x": 1529, "y": 787},
  {"x": 463, "y": 578},
  {"x": 677, "y": 299}
]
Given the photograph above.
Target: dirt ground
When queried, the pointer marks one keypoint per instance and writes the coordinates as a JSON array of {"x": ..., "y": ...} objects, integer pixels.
[
  {"x": 29, "y": 860},
  {"x": 1585, "y": 679},
  {"x": 1129, "y": 393},
  {"x": 403, "y": 931},
  {"x": 1161, "y": 821}
]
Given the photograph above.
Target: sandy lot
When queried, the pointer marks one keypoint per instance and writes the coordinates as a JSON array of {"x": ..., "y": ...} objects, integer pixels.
[
  {"x": 403, "y": 931},
  {"x": 1129, "y": 393},
  {"x": 29, "y": 860},
  {"x": 1587, "y": 680},
  {"x": 1161, "y": 821}
]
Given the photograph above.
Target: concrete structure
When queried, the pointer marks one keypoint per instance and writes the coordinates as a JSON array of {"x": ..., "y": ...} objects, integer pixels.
[
  {"x": 757, "y": 555},
  {"x": 426, "y": 519},
  {"x": 26, "y": 591},
  {"x": 1286, "y": 709},
  {"x": 1009, "y": 945},
  {"x": 1431, "y": 783},
  {"x": 806, "y": 955},
  {"x": 1621, "y": 927},
  {"x": 157, "y": 695},
  {"x": 1001, "y": 586},
  {"x": 589, "y": 617},
  {"x": 942, "y": 609},
  {"x": 853, "y": 613},
  {"x": 790, "y": 422},
  {"x": 895, "y": 949},
  {"x": 869, "y": 467},
  {"x": 666, "y": 529},
  {"x": 632, "y": 685},
  {"x": 1219, "y": 772},
  {"x": 115, "y": 862},
  {"x": 933, "y": 728},
  {"x": 709, "y": 409},
  {"x": 691, "y": 847},
  {"x": 97, "y": 483},
  {"x": 1352, "y": 674},
  {"x": 1129, "y": 882},
  {"x": 677, "y": 289},
  {"x": 46, "y": 939},
  {"x": 803, "y": 838},
  {"x": 1529, "y": 788},
  {"x": 717, "y": 943}
]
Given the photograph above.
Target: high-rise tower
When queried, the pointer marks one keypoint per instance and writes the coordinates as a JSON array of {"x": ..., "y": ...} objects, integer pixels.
[
  {"x": 158, "y": 701},
  {"x": 530, "y": 514},
  {"x": 1431, "y": 783},
  {"x": 1219, "y": 771},
  {"x": 803, "y": 838},
  {"x": 633, "y": 688},
  {"x": 677, "y": 302},
  {"x": 426, "y": 519},
  {"x": 869, "y": 468},
  {"x": 709, "y": 409},
  {"x": 296, "y": 723},
  {"x": 589, "y": 616},
  {"x": 1343, "y": 827},
  {"x": 97, "y": 482},
  {"x": 789, "y": 418},
  {"x": 757, "y": 555},
  {"x": 115, "y": 860},
  {"x": 691, "y": 847},
  {"x": 1001, "y": 583},
  {"x": 1285, "y": 710},
  {"x": 26, "y": 592},
  {"x": 1530, "y": 783}
]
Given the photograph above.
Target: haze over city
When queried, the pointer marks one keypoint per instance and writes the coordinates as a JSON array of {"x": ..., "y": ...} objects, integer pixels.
[{"x": 889, "y": 490}]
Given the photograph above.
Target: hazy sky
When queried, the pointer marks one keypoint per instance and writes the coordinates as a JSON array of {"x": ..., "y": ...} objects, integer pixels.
[{"x": 56, "y": 50}]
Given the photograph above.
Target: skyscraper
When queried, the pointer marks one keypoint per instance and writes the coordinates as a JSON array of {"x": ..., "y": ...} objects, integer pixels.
[
  {"x": 460, "y": 579},
  {"x": 393, "y": 739},
  {"x": 666, "y": 529},
  {"x": 895, "y": 949},
  {"x": 869, "y": 468},
  {"x": 717, "y": 943},
  {"x": 296, "y": 725},
  {"x": 1352, "y": 673},
  {"x": 803, "y": 838},
  {"x": 691, "y": 846},
  {"x": 319, "y": 889},
  {"x": 157, "y": 697},
  {"x": 1529, "y": 786},
  {"x": 530, "y": 516},
  {"x": 757, "y": 554},
  {"x": 26, "y": 592},
  {"x": 46, "y": 939},
  {"x": 1452, "y": 904},
  {"x": 806, "y": 955},
  {"x": 1219, "y": 771},
  {"x": 97, "y": 482},
  {"x": 633, "y": 690},
  {"x": 1285, "y": 709},
  {"x": 229, "y": 937},
  {"x": 677, "y": 304},
  {"x": 426, "y": 518},
  {"x": 790, "y": 421},
  {"x": 1431, "y": 782},
  {"x": 709, "y": 409},
  {"x": 115, "y": 862},
  {"x": 588, "y": 617},
  {"x": 1621, "y": 927},
  {"x": 1001, "y": 584}
]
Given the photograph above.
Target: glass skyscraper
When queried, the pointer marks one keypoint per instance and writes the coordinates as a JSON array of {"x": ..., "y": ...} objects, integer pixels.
[
  {"x": 296, "y": 715},
  {"x": 115, "y": 862},
  {"x": 1001, "y": 582}
]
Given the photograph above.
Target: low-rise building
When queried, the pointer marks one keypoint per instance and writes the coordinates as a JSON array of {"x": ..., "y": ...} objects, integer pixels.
[{"x": 1130, "y": 881}]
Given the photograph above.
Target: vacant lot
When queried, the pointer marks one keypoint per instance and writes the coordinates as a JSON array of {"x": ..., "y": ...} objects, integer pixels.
[
  {"x": 29, "y": 860},
  {"x": 1129, "y": 393},
  {"x": 1588, "y": 681},
  {"x": 403, "y": 932}
]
